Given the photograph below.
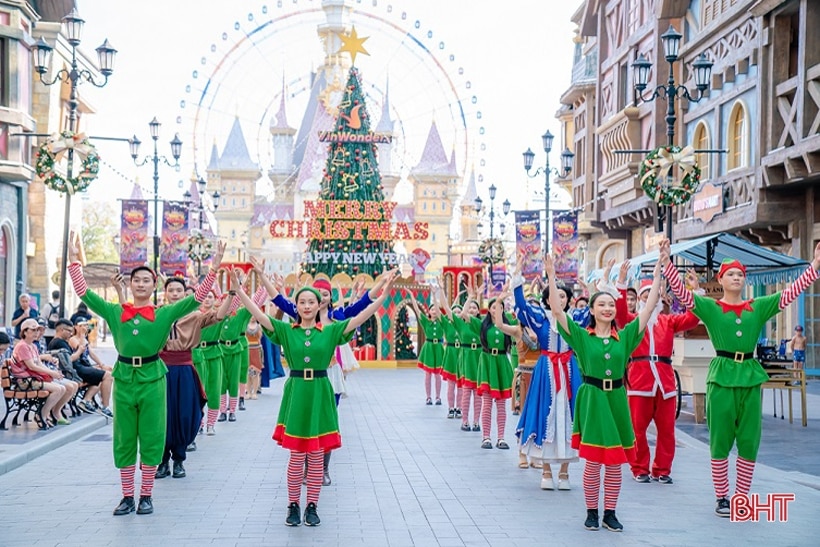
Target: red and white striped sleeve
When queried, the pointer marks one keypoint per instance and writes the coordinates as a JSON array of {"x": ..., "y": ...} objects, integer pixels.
[
  {"x": 260, "y": 296},
  {"x": 684, "y": 295},
  {"x": 205, "y": 287},
  {"x": 235, "y": 303},
  {"x": 800, "y": 284},
  {"x": 75, "y": 271}
]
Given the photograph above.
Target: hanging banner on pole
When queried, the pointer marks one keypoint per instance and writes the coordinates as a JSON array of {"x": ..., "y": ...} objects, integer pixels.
[
  {"x": 565, "y": 245},
  {"x": 528, "y": 242},
  {"x": 174, "y": 246},
  {"x": 133, "y": 234}
]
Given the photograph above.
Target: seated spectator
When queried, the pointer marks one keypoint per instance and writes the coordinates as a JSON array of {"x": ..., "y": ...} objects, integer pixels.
[
  {"x": 29, "y": 373},
  {"x": 51, "y": 362},
  {"x": 95, "y": 374},
  {"x": 25, "y": 311},
  {"x": 5, "y": 346},
  {"x": 82, "y": 314}
]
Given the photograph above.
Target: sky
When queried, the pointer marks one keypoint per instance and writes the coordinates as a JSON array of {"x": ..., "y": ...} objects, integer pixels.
[{"x": 508, "y": 62}]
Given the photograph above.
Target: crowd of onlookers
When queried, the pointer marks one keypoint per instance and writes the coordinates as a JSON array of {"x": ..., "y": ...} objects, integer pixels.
[{"x": 50, "y": 353}]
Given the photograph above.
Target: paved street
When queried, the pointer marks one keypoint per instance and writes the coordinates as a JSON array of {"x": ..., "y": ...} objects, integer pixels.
[{"x": 405, "y": 476}]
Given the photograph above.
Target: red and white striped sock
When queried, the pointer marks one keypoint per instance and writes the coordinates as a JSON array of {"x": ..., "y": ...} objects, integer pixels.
[
  {"x": 592, "y": 484},
  {"x": 458, "y": 396},
  {"x": 438, "y": 386},
  {"x": 232, "y": 405},
  {"x": 243, "y": 390},
  {"x": 745, "y": 471},
  {"x": 296, "y": 472},
  {"x": 213, "y": 414},
  {"x": 476, "y": 405},
  {"x": 223, "y": 403},
  {"x": 720, "y": 477},
  {"x": 314, "y": 475},
  {"x": 148, "y": 474},
  {"x": 428, "y": 383},
  {"x": 612, "y": 486},
  {"x": 486, "y": 414},
  {"x": 127, "y": 480},
  {"x": 500, "y": 416},
  {"x": 451, "y": 394},
  {"x": 465, "y": 406}
]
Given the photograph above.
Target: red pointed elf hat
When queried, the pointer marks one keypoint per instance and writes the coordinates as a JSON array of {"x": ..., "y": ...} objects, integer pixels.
[
  {"x": 646, "y": 285},
  {"x": 322, "y": 285},
  {"x": 728, "y": 264}
]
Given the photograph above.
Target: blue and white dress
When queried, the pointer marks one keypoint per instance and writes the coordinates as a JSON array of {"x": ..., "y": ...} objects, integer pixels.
[{"x": 545, "y": 427}]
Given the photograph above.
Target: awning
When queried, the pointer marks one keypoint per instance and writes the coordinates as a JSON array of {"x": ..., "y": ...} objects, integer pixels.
[{"x": 763, "y": 266}]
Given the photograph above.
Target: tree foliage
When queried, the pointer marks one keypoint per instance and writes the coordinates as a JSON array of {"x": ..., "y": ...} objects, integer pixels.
[{"x": 99, "y": 229}]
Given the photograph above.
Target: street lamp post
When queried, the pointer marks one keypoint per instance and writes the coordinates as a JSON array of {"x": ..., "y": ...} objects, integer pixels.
[
  {"x": 155, "y": 158},
  {"x": 198, "y": 240},
  {"x": 670, "y": 91},
  {"x": 566, "y": 167},
  {"x": 73, "y": 27},
  {"x": 505, "y": 209}
]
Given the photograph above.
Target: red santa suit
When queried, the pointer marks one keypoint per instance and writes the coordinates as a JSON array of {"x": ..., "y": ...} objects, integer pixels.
[{"x": 651, "y": 385}]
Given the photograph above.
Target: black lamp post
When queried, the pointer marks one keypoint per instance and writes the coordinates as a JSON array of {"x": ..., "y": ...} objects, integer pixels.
[
  {"x": 73, "y": 27},
  {"x": 197, "y": 239},
  {"x": 670, "y": 91},
  {"x": 176, "y": 150},
  {"x": 566, "y": 167},
  {"x": 505, "y": 209}
]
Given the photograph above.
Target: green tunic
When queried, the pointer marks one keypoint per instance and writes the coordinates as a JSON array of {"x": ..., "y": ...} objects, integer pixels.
[
  {"x": 233, "y": 342},
  {"x": 495, "y": 372},
  {"x": 602, "y": 431},
  {"x": 431, "y": 356},
  {"x": 308, "y": 419},
  {"x": 470, "y": 352},
  {"x": 452, "y": 350},
  {"x": 211, "y": 355}
]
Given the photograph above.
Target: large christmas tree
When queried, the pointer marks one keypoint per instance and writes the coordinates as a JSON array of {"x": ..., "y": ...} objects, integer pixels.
[
  {"x": 404, "y": 341},
  {"x": 352, "y": 231}
]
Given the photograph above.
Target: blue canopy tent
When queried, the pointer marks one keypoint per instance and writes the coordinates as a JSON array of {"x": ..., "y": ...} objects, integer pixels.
[{"x": 763, "y": 266}]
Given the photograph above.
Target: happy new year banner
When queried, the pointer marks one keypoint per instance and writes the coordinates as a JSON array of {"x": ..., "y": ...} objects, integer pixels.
[
  {"x": 133, "y": 234},
  {"x": 174, "y": 247}
]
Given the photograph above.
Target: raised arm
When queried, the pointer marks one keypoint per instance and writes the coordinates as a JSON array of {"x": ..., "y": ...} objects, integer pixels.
[
  {"x": 498, "y": 320},
  {"x": 246, "y": 300},
  {"x": 259, "y": 268},
  {"x": 360, "y": 318},
  {"x": 670, "y": 272},
  {"x": 654, "y": 295},
  {"x": 801, "y": 283},
  {"x": 555, "y": 299},
  {"x": 119, "y": 286}
]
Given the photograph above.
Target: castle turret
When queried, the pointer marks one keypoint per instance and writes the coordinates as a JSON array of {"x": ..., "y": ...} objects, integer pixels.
[
  {"x": 469, "y": 221},
  {"x": 283, "y": 169}
]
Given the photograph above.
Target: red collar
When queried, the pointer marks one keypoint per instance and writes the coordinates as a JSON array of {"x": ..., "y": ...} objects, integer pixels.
[
  {"x": 613, "y": 333},
  {"x": 318, "y": 326},
  {"x": 129, "y": 311},
  {"x": 737, "y": 308}
]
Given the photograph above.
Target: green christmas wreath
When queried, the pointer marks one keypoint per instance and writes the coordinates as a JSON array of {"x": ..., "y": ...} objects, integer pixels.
[
  {"x": 656, "y": 167},
  {"x": 206, "y": 251},
  {"x": 53, "y": 150},
  {"x": 491, "y": 251}
]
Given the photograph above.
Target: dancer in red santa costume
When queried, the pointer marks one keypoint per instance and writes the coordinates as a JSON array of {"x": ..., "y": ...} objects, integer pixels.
[{"x": 651, "y": 380}]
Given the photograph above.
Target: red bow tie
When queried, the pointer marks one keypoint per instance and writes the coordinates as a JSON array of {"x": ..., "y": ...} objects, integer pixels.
[
  {"x": 129, "y": 311},
  {"x": 737, "y": 308}
]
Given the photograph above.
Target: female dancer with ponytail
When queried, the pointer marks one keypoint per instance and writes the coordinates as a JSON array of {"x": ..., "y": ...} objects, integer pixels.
[
  {"x": 602, "y": 431},
  {"x": 431, "y": 356}
]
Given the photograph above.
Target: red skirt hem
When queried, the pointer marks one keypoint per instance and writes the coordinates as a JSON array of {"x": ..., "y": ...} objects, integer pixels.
[
  {"x": 425, "y": 368},
  {"x": 494, "y": 393},
  {"x": 467, "y": 384},
  {"x": 614, "y": 455},
  {"x": 448, "y": 376},
  {"x": 326, "y": 442}
]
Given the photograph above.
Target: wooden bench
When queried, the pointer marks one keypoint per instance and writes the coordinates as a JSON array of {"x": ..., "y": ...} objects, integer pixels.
[{"x": 28, "y": 400}]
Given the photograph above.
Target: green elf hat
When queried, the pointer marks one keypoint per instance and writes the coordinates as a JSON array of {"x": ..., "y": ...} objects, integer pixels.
[
  {"x": 729, "y": 264},
  {"x": 310, "y": 290}
]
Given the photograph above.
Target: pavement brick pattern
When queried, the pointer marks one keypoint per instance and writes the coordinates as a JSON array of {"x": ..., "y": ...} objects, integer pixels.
[{"x": 406, "y": 476}]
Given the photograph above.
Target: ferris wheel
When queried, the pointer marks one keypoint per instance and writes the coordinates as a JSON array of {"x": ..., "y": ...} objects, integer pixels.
[{"x": 276, "y": 48}]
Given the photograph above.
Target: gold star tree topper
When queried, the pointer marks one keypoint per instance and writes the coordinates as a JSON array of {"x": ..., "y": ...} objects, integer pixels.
[{"x": 352, "y": 44}]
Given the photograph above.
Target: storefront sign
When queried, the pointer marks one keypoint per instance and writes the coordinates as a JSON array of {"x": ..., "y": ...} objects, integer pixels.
[{"x": 707, "y": 202}]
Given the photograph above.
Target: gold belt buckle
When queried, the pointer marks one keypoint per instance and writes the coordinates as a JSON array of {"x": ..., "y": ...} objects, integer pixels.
[
  {"x": 308, "y": 374},
  {"x": 739, "y": 357},
  {"x": 136, "y": 362},
  {"x": 606, "y": 384},
  {"x": 494, "y": 351}
]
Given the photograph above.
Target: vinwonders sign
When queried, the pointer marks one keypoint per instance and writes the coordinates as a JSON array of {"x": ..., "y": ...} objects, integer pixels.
[{"x": 349, "y": 220}]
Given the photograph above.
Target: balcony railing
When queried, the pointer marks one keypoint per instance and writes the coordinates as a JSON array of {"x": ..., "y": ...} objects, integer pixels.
[{"x": 586, "y": 70}]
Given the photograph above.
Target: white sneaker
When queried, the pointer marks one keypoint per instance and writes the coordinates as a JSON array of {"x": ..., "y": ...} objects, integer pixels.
[
  {"x": 210, "y": 431},
  {"x": 547, "y": 483}
]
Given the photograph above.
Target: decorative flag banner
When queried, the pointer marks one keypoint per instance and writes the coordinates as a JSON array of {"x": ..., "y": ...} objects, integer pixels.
[
  {"x": 528, "y": 242},
  {"x": 174, "y": 245},
  {"x": 499, "y": 277},
  {"x": 565, "y": 245},
  {"x": 133, "y": 234}
]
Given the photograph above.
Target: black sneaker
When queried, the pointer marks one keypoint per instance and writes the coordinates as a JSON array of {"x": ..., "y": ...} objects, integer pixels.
[
  {"x": 451, "y": 414},
  {"x": 146, "y": 506},
  {"x": 664, "y": 479},
  {"x": 643, "y": 477},
  {"x": 429, "y": 401},
  {"x": 591, "y": 523},
  {"x": 126, "y": 506},
  {"x": 476, "y": 427},
  {"x": 179, "y": 470},
  {"x": 311, "y": 516},
  {"x": 222, "y": 417},
  {"x": 294, "y": 515},
  {"x": 241, "y": 403},
  {"x": 231, "y": 417},
  {"x": 162, "y": 471},
  {"x": 722, "y": 508},
  {"x": 465, "y": 427},
  {"x": 438, "y": 402},
  {"x": 486, "y": 443},
  {"x": 458, "y": 413},
  {"x": 611, "y": 521}
]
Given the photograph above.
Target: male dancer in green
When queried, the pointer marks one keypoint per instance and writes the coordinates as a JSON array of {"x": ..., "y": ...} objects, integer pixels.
[
  {"x": 139, "y": 331},
  {"x": 733, "y": 402}
]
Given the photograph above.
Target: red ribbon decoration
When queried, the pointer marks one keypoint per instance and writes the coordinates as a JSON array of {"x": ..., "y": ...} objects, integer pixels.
[
  {"x": 129, "y": 311},
  {"x": 559, "y": 361}
]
